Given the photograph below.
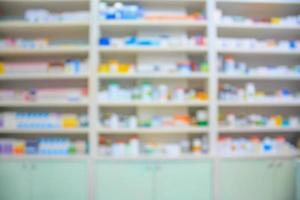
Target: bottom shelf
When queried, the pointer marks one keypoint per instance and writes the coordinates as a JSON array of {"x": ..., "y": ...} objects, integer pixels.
[
  {"x": 151, "y": 157},
  {"x": 158, "y": 157},
  {"x": 43, "y": 157},
  {"x": 261, "y": 156}
]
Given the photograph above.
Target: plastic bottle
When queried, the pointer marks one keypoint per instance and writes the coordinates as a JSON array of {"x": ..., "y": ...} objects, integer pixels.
[
  {"x": 134, "y": 146},
  {"x": 250, "y": 90},
  {"x": 267, "y": 145},
  {"x": 279, "y": 144},
  {"x": 197, "y": 145},
  {"x": 202, "y": 118}
]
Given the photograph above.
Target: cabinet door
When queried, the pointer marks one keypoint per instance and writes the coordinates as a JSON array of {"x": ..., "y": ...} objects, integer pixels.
[
  {"x": 177, "y": 180},
  {"x": 124, "y": 181},
  {"x": 284, "y": 183},
  {"x": 298, "y": 181},
  {"x": 59, "y": 180},
  {"x": 246, "y": 179},
  {"x": 14, "y": 180}
]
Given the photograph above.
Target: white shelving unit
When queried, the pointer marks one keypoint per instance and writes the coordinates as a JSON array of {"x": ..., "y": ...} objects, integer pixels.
[
  {"x": 248, "y": 8},
  {"x": 95, "y": 28},
  {"x": 22, "y": 28}
]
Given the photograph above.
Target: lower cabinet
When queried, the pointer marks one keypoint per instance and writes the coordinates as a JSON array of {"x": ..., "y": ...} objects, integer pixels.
[
  {"x": 257, "y": 179},
  {"x": 124, "y": 181},
  {"x": 14, "y": 181},
  {"x": 298, "y": 180},
  {"x": 178, "y": 180},
  {"x": 63, "y": 180},
  {"x": 284, "y": 180},
  {"x": 167, "y": 180},
  {"x": 47, "y": 180}
]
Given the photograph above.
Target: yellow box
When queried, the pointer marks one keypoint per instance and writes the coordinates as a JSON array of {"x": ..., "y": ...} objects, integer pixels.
[
  {"x": 124, "y": 68},
  {"x": 70, "y": 122},
  {"x": 2, "y": 68},
  {"x": 275, "y": 20},
  {"x": 103, "y": 68},
  {"x": 278, "y": 120}
]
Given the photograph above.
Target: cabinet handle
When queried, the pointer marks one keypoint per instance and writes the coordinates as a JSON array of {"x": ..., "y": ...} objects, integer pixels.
[
  {"x": 149, "y": 167},
  {"x": 158, "y": 167},
  {"x": 33, "y": 166},
  {"x": 271, "y": 164},
  {"x": 24, "y": 165},
  {"x": 279, "y": 164}
]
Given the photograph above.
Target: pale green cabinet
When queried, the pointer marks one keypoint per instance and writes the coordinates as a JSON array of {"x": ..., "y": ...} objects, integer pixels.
[
  {"x": 298, "y": 180},
  {"x": 245, "y": 180},
  {"x": 169, "y": 180},
  {"x": 177, "y": 180},
  {"x": 257, "y": 179},
  {"x": 63, "y": 180},
  {"x": 124, "y": 181},
  {"x": 47, "y": 180},
  {"x": 284, "y": 180},
  {"x": 14, "y": 179}
]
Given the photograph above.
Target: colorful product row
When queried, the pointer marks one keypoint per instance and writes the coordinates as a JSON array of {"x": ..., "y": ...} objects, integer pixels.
[
  {"x": 258, "y": 120},
  {"x": 285, "y": 20},
  {"x": 119, "y": 11},
  {"x": 253, "y": 43},
  {"x": 164, "y": 40},
  {"x": 44, "y": 94},
  {"x": 249, "y": 92},
  {"x": 179, "y": 120},
  {"x": 148, "y": 92},
  {"x": 38, "y": 43},
  {"x": 26, "y": 120},
  {"x": 114, "y": 66},
  {"x": 71, "y": 66},
  {"x": 134, "y": 147},
  {"x": 42, "y": 15},
  {"x": 255, "y": 146},
  {"x": 42, "y": 146},
  {"x": 229, "y": 65}
]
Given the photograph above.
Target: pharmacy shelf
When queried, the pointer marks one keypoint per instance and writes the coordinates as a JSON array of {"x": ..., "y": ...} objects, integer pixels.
[
  {"x": 265, "y": 77},
  {"x": 252, "y": 129},
  {"x": 153, "y": 23},
  {"x": 157, "y": 157},
  {"x": 266, "y": 103},
  {"x": 44, "y": 104},
  {"x": 260, "y": 51},
  {"x": 260, "y": 1},
  {"x": 40, "y": 132},
  {"x": 63, "y": 50},
  {"x": 153, "y": 104},
  {"x": 261, "y": 156},
  {"x": 21, "y": 77},
  {"x": 257, "y": 26},
  {"x": 15, "y": 25},
  {"x": 151, "y": 49},
  {"x": 174, "y": 130},
  {"x": 43, "y": 157},
  {"x": 192, "y": 75}
]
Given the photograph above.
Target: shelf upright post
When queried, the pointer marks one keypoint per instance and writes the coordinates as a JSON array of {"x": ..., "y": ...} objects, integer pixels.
[
  {"x": 213, "y": 91},
  {"x": 93, "y": 90}
]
